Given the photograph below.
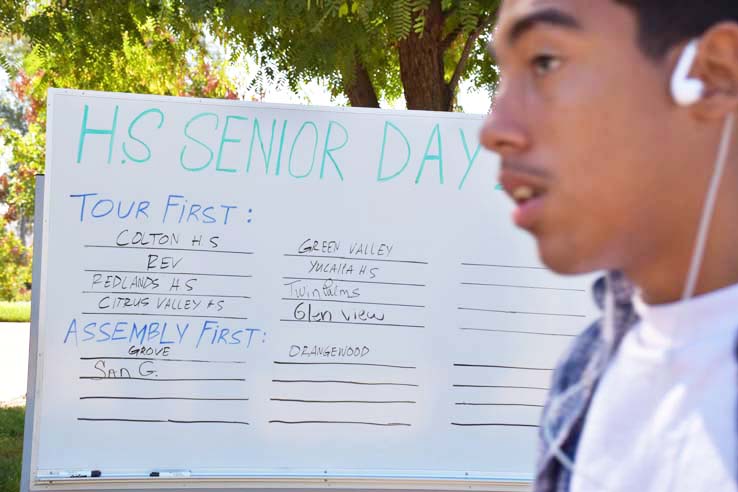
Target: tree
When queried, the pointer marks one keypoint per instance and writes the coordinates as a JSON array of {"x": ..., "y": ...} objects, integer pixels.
[
  {"x": 126, "y": 46},
  {"x": 367, "y": 49}
]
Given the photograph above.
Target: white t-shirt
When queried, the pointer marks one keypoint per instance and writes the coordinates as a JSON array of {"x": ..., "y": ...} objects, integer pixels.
[{"x": 664, "y": 415}]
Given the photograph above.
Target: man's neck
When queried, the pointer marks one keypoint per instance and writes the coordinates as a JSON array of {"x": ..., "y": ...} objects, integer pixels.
[
  {"x": 661, "y": 275},
  {"x": 664, "y": 287}
]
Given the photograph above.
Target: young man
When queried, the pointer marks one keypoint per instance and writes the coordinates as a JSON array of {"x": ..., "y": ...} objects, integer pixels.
[{"x": 614, "y": 169}]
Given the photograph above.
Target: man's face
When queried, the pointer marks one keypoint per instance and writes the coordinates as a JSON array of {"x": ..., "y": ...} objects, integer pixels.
[{"x": 584, "y": 121}]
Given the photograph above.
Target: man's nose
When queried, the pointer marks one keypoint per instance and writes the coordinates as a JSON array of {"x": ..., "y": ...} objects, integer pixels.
[{"x": 503, "y": 130}]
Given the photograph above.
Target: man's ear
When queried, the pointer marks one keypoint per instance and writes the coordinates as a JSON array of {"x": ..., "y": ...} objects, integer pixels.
[{"x": 716, "y": 66}]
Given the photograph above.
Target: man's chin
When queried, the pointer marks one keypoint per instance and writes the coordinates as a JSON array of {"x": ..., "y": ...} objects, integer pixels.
[{"x": 563, "y": 259}]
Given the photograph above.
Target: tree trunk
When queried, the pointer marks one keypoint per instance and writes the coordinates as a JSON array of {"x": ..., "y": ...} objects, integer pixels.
[
  {"x": 359, "y": 89},
  {"x": 421, "y": 64}
]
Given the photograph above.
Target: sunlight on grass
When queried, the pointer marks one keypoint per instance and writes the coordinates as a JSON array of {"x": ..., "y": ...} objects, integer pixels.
[{"x": 15, "y": 311}]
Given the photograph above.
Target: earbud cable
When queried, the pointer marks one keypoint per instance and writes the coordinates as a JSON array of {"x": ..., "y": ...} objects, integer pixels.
[{"x": 708, "y": 209}]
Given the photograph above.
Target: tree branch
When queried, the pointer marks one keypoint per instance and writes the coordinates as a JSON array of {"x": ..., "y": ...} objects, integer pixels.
[{"x": 483, "y": 22}]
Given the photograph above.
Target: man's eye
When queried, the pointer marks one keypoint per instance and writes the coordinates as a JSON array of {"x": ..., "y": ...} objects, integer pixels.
[{"x": 543, "y": 64}]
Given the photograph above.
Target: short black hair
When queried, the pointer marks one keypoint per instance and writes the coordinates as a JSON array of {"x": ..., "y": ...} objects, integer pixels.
[{"x": 665, "y": 23}]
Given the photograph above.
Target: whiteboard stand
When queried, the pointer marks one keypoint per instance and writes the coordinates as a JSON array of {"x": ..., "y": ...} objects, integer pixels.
[{"x": 38, "y": 227}]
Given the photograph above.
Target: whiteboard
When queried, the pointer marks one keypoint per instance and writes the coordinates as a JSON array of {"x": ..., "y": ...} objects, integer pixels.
[{"x": 240, "y": 294}]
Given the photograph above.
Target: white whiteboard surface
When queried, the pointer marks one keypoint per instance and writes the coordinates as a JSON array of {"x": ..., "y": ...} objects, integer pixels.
[{"x": 326, "y": 297}]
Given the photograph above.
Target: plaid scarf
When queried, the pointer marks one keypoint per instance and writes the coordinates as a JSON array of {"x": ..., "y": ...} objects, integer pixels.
[{"x": 574, "y": 382}]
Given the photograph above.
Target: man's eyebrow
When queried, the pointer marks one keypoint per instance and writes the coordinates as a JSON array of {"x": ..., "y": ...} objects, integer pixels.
[{"x": 552, "y": 17}]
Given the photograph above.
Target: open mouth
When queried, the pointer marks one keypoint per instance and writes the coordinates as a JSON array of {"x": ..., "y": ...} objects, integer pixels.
[
  {"x": 523, "y": 193},
  {"x": 528, "y": 192},
  {"x": 529, "y": 201},
  {"x": 522, "y": 185}
]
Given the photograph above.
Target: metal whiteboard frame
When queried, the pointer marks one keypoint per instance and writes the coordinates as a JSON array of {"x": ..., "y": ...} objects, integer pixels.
[{"x": 38, "y": 228}]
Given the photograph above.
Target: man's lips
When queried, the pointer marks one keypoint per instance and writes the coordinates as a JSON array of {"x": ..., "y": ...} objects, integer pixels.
[
  {"x": 513, "y": 179},
  {"x": 528, "y": 190}
]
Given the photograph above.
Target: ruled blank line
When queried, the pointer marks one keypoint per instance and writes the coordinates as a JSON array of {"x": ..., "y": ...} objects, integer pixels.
[
  {"x": 341, "y": 382},
  {"x": 519, "y": 331},
  {"x": 88, "y": 419},
  {"x": 354, "y": 302},
  {"x": 208, "y": 422},
  {"x": 157, "y": 272},
  {"x": 501, "y": 367},
  {"x": 379, "y": 424},
  {"x": 521, "y": 286},
  {"x": 290, "y": 400},
  {"x": 491, "y": 425},
  {"x": 158, "y": 398},
  {"x": 161, "y": 294},
  {"x": 342, "y": 364},
  {"x": 171, "y": 421},
  {"x": 166, "y": 360},
  {"x": 161, "y": 315},
  {"x": 351, "y": 258},
  {"x": 354, "y": 281},
  {"x": 498, "y": 386},
  {"x": 169, "y": 249},
  {"x": 98, "y": 378},
  {"x": 351, "y": 323},
  {"x": 473, "y": 404},
  {"x": 462, "y": 308},
  {"x": 490, "y": 265}
]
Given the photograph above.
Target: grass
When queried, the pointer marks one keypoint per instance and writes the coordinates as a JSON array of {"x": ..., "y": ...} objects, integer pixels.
[
  {"x": 17, "y": 312},
  {"x": 11, "y": 448}
]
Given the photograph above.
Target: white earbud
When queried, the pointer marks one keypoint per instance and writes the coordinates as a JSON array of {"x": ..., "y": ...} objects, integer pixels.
[{"x": 686, "y": 91}]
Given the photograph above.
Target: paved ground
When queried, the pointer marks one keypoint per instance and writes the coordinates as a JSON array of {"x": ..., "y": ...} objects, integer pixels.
[{"x": 13, "y": 362}]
